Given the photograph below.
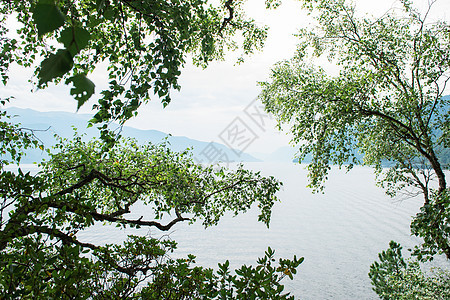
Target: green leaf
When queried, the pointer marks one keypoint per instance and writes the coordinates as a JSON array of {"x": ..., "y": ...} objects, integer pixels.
[
  {"x": 47, "y": 17},
  {"x": 56, "y": 65},
  {"x": 75, "y": 39},
  {"x": 83, "y": 88}
]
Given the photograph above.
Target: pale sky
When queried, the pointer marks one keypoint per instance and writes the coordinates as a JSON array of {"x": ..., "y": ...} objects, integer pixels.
[{"x": 210, "y": 100}]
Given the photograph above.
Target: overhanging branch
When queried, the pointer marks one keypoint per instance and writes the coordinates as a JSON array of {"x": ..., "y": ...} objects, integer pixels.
[{"x": 230, "y": 17}]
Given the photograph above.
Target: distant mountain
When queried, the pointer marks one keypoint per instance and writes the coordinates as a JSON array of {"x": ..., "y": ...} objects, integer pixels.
[{"x": 47, "y": 124}]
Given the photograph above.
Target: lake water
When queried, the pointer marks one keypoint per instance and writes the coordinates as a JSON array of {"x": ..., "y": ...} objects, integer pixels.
[{"x": 339, "y": 233}]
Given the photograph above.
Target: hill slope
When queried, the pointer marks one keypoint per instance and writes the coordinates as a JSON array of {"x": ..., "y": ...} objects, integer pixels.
[{"x": 47, "y": 124}]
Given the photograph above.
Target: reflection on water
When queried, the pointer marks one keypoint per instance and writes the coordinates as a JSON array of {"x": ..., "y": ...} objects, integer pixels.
[{"x": 339, "y": 233}]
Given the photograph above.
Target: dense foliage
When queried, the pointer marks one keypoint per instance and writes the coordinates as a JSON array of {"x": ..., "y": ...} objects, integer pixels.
[{"x": 144, "y": 45}]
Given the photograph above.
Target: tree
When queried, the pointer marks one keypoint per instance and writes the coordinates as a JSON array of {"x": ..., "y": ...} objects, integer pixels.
[
  {"x": 145, "y": 44},
  {"x": 386, "y": 103},
  {"x": 394, "y": 278}
]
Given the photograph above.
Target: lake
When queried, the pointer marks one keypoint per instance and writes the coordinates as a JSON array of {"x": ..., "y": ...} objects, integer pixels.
[{"x": 339, "y": 232}]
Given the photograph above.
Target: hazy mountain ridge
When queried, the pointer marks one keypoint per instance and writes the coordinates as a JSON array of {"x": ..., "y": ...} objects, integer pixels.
[{"x": 47, "y": 124}]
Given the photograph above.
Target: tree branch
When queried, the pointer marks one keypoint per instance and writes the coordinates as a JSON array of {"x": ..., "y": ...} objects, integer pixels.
[{"x": 230, "y": 17}]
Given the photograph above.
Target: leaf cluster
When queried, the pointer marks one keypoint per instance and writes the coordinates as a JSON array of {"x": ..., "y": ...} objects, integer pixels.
[
  {"x": 248, "y": 282},
  {"x": 432, "y": 224},
  {"x": 14, "y": 139}
]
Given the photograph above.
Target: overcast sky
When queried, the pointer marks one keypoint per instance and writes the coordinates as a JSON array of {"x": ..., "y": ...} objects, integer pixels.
[{"x": 213, "y": 99}]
